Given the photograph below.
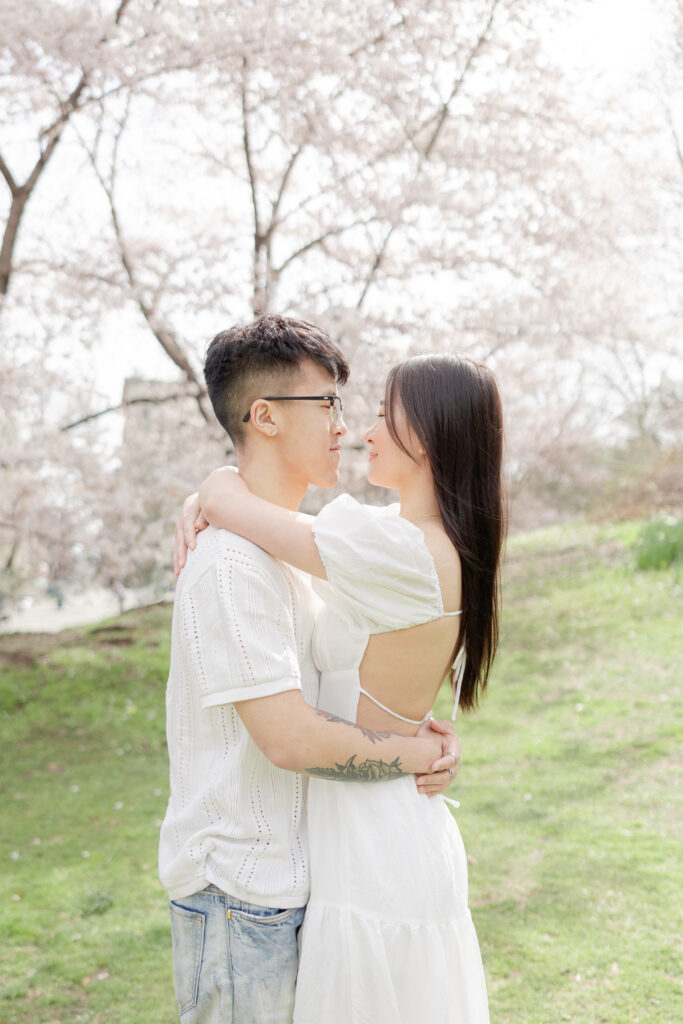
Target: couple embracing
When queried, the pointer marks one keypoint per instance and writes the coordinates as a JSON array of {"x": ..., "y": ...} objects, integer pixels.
[{"x": 306, "y": 654}]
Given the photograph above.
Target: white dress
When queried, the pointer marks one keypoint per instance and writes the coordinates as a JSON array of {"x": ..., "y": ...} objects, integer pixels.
[{"x": 388, "y": 937}]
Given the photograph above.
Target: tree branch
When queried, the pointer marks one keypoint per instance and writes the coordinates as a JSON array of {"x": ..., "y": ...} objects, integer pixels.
[
  {"x": 332, "y": 233},
  {"x": 457, "y": 85},
  {"x": 674, "y": 134},
  {"x": 160, "y": 400},
  {"x": 383, "y": 36},
  {"x": 247, "y": 154},
  {"x": 7, "y": 175},
  {"x": 120, "y": 12},
  {"x": 429, "y": 148},
  {"x": 283, "y": 185},
  {"x": 22, "y": 193},
  {"x": 163, "y": 334}
]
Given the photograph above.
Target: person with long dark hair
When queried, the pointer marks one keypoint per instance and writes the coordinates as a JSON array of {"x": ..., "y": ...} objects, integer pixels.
[{"x": 411, "y": 597}]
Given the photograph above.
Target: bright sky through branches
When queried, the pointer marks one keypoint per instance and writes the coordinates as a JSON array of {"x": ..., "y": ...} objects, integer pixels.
[
  {"x": 611, "y": 40},
  {"x": 618, "y": 37}
]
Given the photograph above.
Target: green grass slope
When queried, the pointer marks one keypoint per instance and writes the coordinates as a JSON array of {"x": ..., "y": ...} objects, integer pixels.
[{"x": 570, "y": 802}]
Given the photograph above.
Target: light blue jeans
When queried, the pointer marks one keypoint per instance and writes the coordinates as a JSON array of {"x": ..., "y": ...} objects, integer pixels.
[{"x": 233, "y": 962}]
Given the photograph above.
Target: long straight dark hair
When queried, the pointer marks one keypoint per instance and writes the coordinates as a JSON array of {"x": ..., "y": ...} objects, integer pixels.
[{"x": 454, "y": 411}]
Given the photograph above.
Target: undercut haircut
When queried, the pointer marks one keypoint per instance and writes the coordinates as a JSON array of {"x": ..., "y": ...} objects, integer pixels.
[{"x": 249, "y": 361}]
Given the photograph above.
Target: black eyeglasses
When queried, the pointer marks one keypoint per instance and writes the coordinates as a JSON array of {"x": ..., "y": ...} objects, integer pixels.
[{"x": 336, "y": 407}]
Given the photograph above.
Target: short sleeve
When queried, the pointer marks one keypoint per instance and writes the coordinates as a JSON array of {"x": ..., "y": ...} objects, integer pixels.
[
  {"x": 378, "y": 564},
  {"x": 244, "y": 640}
]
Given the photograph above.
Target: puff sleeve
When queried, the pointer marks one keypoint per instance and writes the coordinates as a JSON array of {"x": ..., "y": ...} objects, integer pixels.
[{"x": 378, "y": 564}]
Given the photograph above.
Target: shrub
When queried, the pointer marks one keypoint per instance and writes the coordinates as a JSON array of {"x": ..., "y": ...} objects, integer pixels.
[{"x": 660, "y": 543}]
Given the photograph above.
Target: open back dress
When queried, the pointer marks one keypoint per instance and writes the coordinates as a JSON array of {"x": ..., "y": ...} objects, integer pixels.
[{"x": 388, "y": 937}]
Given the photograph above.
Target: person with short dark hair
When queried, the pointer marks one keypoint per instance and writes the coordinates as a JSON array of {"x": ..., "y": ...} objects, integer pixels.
[
  {"x": 249, "y": 360},
  {"x": 242, "y": 727},
  {"x": 411, "y": 597}
]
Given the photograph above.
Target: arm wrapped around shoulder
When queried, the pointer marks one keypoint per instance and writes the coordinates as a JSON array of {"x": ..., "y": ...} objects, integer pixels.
[{"x": 379, "y": 565}]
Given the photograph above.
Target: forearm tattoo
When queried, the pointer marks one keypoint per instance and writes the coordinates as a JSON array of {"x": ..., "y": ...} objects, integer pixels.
[
  {"x": 370, "y": 734},
  {"x": 366, "y": 771},
  {"x": 370, "y": 770}
]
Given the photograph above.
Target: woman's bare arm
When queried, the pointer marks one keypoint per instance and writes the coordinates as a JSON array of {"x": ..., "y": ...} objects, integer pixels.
[{"x": 226, "y": 502}]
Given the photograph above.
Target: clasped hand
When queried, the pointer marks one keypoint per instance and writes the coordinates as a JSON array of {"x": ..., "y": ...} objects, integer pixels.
[{"x": 444, "y": 770}]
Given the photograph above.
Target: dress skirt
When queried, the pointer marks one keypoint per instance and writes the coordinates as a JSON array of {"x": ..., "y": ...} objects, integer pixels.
[{"x": 388, "y": 937}]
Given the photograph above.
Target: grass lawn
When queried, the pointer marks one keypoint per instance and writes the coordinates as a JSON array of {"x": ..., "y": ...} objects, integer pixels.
[{"x": 570, "y": 808}]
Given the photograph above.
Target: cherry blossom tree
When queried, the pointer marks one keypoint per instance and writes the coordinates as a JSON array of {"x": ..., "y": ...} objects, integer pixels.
[{"x": 413, "y": 176}]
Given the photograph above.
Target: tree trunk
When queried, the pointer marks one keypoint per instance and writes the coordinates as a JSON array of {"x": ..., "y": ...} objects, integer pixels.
[{"x": 19, "y": 198}]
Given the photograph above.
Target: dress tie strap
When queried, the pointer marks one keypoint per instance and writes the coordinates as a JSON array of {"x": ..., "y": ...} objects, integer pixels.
[
  {"x": 453, "y": 803},
  {"x": 395, "y": 714},
  {"x": 458, "y": 670}
]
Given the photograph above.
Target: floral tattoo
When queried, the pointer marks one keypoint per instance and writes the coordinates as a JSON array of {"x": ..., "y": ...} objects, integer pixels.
[{"x": 370, "y": 770}]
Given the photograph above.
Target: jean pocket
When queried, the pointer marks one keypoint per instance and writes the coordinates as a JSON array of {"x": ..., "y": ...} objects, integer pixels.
[
  {"x": 266, "y": 915},
  {"x": 187, "y": 937}
]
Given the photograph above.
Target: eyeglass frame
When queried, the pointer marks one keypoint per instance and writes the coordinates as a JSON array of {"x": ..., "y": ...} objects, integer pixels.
[{"x": 332, "y": 399}]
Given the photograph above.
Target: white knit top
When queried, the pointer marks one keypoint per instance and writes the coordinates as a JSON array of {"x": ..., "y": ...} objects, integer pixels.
[{"x": 242, "y": 626}]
